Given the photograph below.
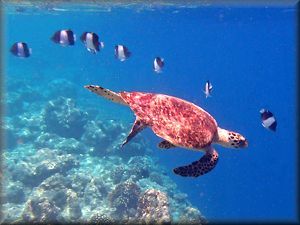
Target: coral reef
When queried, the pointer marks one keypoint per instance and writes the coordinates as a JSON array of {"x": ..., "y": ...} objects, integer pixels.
[
  {"x": 63, "y": 118},
  {"x": 13, "y": 103},
  {"x": 63, "y": 165},
  {"x": 26, "y": 97},
  {"x": 153, "y": 207},
  {"x": 120, "y": 173},
  {"x": 125, "y": 198},
  {"x": 72, "y": 209},
  {"x": 140, "y": 167},
  {"x": 19, "y": 100},
  {"x": 10, "y": 135},
  {"x": 192, "y": 216},
  {"x": 101, "y": 144},
  {"x": 14, "y": 193},
  {"x": 96, "y": 138},
  {"x": 43, "y": 164},
  {"x": 99, "y": 218},
  {"x": 95, "y": 192},
  {"x": 67, "y": 145},
  {"x": 40, "y": 210}
]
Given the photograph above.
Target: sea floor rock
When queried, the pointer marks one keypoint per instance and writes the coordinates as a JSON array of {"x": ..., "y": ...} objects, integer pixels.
[
  {"x": 13, "y": 192},
  {"x": 95, "y": 192},
  {"x": 66, "y": 145},
  {"x": 40, "y": 210},
  {"x": 43, "y": 164},
  {"x": 72, "y": 210},
  {"x": 11, "y": 213}
]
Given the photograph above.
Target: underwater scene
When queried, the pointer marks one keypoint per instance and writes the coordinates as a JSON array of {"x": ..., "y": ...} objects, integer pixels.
[{"x": 141, "y": 112}]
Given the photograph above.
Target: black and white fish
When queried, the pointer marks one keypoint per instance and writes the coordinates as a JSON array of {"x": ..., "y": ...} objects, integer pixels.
[
  {"x": 20, "y": 49},
  {"x": 121, "y": 52},
  {"x": 91, "y": 42},
  {"x": 208, "y": 89},
  {"x": 268, "y": 120},
  {"x": 158, "y": 64},
  {"x": 64, "y": 37}
]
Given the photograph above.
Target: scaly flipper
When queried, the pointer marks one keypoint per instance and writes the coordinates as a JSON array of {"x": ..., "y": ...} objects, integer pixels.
[
  {"x": 200, "y": 167},
  {"x": 165, "y": 145},
  {"x": 115, "y": 97},
  {"x": 137, "y": 127}
]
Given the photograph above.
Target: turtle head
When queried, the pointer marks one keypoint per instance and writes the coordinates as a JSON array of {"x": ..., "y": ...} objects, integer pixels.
[{"x": 230, "y": 139}]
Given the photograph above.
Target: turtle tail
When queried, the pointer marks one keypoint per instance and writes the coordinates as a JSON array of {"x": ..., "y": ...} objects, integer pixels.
[{"x": 110, "y": 95}]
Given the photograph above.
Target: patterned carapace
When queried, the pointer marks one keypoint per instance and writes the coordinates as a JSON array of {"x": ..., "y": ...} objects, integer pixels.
[{"x": 173, "y": 119}]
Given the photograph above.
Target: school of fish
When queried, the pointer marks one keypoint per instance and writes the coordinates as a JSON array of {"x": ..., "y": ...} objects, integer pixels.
[{"x": 66, "y": 37}]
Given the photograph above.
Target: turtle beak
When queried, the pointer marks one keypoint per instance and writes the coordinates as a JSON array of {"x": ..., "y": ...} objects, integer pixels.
[{"x": 243, "y": 143}]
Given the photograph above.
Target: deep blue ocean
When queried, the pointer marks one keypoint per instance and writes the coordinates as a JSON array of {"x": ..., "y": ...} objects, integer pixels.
[{"x": 248, "y": 53}]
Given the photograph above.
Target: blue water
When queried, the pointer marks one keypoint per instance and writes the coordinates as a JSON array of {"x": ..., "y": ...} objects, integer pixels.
[{"x": 248, "y": 54}]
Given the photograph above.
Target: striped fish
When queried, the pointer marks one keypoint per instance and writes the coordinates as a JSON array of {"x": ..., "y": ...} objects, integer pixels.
[{"x": 268, "y": 120}]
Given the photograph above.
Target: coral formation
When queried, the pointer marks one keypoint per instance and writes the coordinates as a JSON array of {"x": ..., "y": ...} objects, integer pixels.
[
  {"x": 66, "y": 145},
  {"x": 153, "y": 207},
  {"x": 95, "y": 192},
  {"x": 63, "y": 165},
  {"x": 43, "y": 164},
  {"x": 10, "y": 135},
  {"x": 124, "y": 198},
  {"x": 99, "y": 218},
  {"x": 95, "y": 137},
  {"x": 192, "y": 215},
  {"x": 14, "y": 193},
  {"x": 63, "y": 118},
  {"x": 18, "y": 100},
  {"x": 40, "y": 210}
]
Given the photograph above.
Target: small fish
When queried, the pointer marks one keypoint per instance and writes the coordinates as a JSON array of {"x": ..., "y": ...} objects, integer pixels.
[
  {"x": 158, "y": 64},
  {"x": 121, "y": 52},
  {"x": 91, "y": 41},
  {"x": 268, "y": 119},
  {"x": 64, "y": 37},
  {"x": 207, "y": 89},
  {"x": 21, "y": 49}
]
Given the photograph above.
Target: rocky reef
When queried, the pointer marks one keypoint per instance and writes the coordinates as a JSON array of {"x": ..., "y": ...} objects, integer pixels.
[
  {"x": 153, "y": 207},
  {"x": 63, "y": 118},
  {"x": 62, "y": 164}
]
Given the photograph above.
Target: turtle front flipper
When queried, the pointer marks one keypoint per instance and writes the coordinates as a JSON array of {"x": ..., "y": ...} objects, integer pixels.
[
  {"x": 136, "y": 128},
  {"x": 110, "y": 95},
  {"x": 165, "y": 145},
  {"x": 205, "y": 164}
]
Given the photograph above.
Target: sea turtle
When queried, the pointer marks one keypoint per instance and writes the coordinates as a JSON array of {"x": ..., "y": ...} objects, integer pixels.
[{"x": 179, "y": 122}]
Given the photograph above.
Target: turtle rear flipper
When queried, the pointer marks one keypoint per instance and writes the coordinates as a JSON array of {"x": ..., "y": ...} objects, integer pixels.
[
  {"x": 115, "y": 97},
  {"x": 205, "y": 164}
]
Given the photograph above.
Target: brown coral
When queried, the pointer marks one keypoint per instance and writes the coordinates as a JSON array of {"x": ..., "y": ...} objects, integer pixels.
[{"x": 153, "y": 207}]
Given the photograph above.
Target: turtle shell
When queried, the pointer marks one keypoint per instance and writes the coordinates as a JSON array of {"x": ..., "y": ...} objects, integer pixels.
[{"x": 180, "y": 122}]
